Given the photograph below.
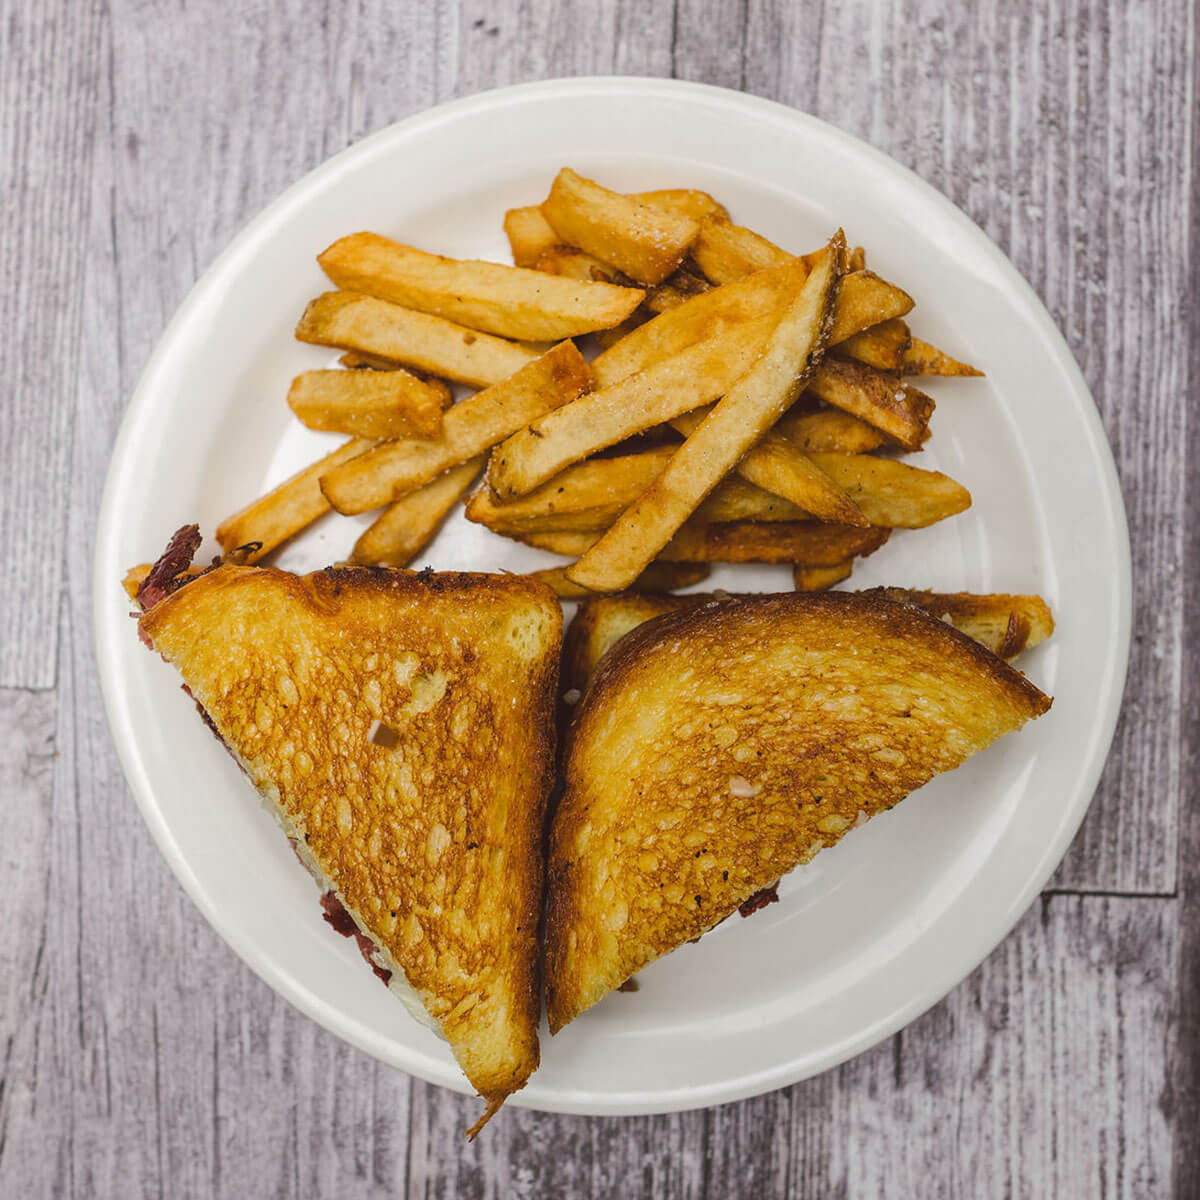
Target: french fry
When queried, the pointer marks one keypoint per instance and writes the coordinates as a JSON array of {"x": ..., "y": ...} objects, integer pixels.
[
  {"x": 893, "y": 494},
  {"x": 695, "y": 377},
  {"x": 700, "y": 318},
  {"x": 686, "y": 202},
  {"x": 862, "y": 297},
  {"x": 646, "y": 243},
  {"x": 920, "y": 358},
  {"x": 529, "y": 235},
  {"x": 725, "y": 252},
  {"x": 896, "y": 409},
  {"x": 507, "y": 301},
  {"x": 392, "y": 469},
  {"x": 883, "y": 346},
  {"x": 575, "y": 264},
  {"x": 776, "y": 465},
  {"x": 830, "y": 430},
  {"x": 402, "y": 336},
  {"x": 817, "y": 543},
  {"x": 285, "y": 510},
  {"x": 739, "y": 420},
  {"x": 657, "y": 577},
  {"x": 406, "y": 527},
  {"x": 820, "y": 579},
  {"x": 590, "y": 495},
  {"x": 374, "y": 404},
  {"x": 865, "y": 300},
  {"x": 856, "y": 260},
  {"x": 1005, "y": 624}
]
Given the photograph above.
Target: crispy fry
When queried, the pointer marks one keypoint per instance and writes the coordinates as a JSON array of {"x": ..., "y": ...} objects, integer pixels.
[
  {"x": 285, "y": 510},
  {"x": 894, "y": 408},
  {"x": 393, "y": 469},
  {"x": 817, "y": 543},
  {"x": 656, "y": 578},
  {"x": 602, "y": 418},
  {"x": 700, "y": 318},
  {"x": 830, "y": 430},
  {"x": 739, "y": 420},
  {"x": 883, "y": 346},
  {"x": 375, "y": 404},
  {"x": 776, "y": 465},
  {"x": 575, "y": 264},
  {"x": 590, "y": 495},
  {"x": 646, "y": 243},
  {"x": 401, "y": 335},
  {"x": 893, "y": 494},
  {"x": 820, "y": 579},
  {"x": 406, "y": 527},
  {"x": 725, "y": 252},
  {"x": 865, "y": 300},
  {"x": 920, "y": 358},
  {"x": 861, "y": 298},
  {"x": 1005, "y": 624},
  {"x": 507, "y": 301},
  {"x": 529, "y": 235},
  {"x": 686, "y": 202}
]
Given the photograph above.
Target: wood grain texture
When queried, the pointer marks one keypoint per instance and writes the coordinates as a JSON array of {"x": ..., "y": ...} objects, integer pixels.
[
  {"x": 139, "y": 1057},
  {"x": 47, "y": 110}
]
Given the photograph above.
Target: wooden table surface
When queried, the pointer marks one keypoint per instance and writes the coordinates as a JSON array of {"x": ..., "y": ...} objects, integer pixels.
[{"x": 138, "y": 1056}]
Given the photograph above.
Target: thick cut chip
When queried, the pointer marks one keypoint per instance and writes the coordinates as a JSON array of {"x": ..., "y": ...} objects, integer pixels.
[
  {"x": 657, "y": 577},
  {"x": 893, "y": 494},
  {"x": 645, "y": 242},
  {"x": 830, "y": 430},
  {"x": 897, "y": 409},
  {"x": 295, "y": 504},
  {"x": 529, "y": 235},
  {"x": 746, "y": 412},
  {"x": 392, "y": 469},
  {"x": 406, "y": 527},
  {"x": 398, "y": 335},
  {"x": 687, "y": 202},
  {"x": 920, "y": 358},
  {"x": 696, "y": 376},
  {"x": 375, "y": 404},
  {"x": 820, "y": 579},
  {"x": 883, "y": 345},
  {"x": 508, "y": 301}
]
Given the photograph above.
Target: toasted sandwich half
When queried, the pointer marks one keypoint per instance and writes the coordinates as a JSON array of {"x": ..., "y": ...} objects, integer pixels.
[
  {"x": 401, "y": 727},
  {"x": 1007, "y": 625},
  {"x": 719, "y": 746}
]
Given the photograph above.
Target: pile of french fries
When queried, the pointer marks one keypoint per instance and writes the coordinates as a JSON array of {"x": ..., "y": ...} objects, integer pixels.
[{"x": 743, "y": 404}]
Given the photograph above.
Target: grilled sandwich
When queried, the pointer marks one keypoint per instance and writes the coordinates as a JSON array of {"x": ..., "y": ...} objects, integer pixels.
[
  {"x": 719, "y": 746},
  {"x": 1005, "y": 624},
  {"x": 400, "y": 725}
]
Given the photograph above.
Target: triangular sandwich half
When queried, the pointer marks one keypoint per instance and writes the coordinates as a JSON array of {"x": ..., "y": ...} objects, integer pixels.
[
  {"x": 719, "y": 746},
  {"x": 402, "y": 726}
]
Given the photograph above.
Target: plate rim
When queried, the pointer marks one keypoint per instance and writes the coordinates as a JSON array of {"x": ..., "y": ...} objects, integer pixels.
[{"x": 691, "y": 1096}]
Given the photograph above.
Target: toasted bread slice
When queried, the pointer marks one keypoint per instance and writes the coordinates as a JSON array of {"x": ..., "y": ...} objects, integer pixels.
[
  {"x": 720, "y": 746},
  {"x": 1006, "y": 625},
  {"x": 402, "y": 724}
]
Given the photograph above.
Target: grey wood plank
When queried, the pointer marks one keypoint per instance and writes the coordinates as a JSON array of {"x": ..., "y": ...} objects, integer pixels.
[
  {"x": 1045, "y": 1074},
  {"x": 26, "y": 777},
  {"x": 1063, "y": 129},
  {"x": 1185, "y": 1080},
  {"x": 47, "y": 103}
]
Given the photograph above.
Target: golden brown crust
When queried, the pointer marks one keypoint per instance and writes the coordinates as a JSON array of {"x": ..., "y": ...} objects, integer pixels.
[
  {"x": 434, "y": 845},
  {"x": 721, "y": 745}
]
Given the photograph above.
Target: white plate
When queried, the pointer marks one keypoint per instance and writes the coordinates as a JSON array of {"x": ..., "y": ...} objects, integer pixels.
[{"x": 875, "y": 930}]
